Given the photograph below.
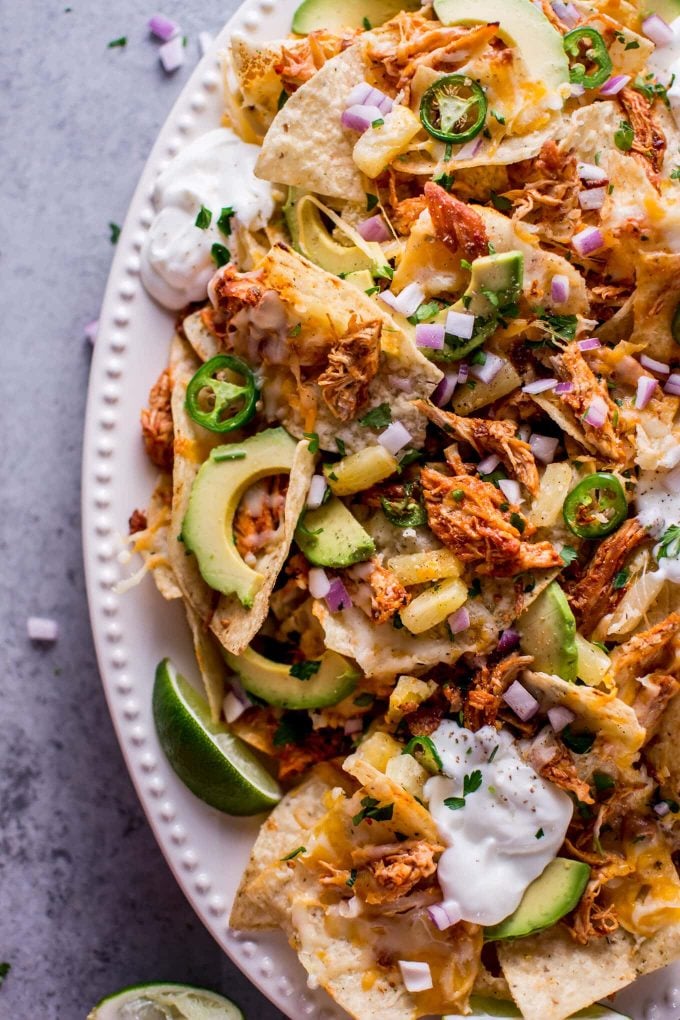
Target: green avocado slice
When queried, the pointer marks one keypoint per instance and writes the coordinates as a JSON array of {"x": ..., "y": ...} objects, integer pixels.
[
  {"x": 333, "y": 16},
  {"x": 486, "y": 1008},
  {"x": 215, "y": 495},
  {"x": 549, "y": 897},
  {"x": 273, "y": 682},
  {"x": 312, "y": 239},
  {"x": 332, "y": 537},
  {"x": 548, "y": 632}
]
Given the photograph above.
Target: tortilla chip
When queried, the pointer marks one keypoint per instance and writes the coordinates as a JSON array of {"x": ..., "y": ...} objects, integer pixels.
[
  {"x": 663, "y": 752},
  {"x": 153, "y": 543},
  {"x": 656, "y": 298},
  {"x": 205, "y": 344},
  {"x": 233, "y": 624},
  {"x": 614, "y": 722},
  {"x": 210, "y": 662},
  {"x": 254, "y": 68},
  {"x": 408, "y": 815},
  {"x": 551, "y": 976},
  {"x": 307, "y": 146}
]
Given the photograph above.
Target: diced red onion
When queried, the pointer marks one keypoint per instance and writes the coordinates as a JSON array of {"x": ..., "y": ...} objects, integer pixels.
[
  {"x": 564, "y": 387},
  {"x": 163, "y": 28},
  {"x": 417, "y": 976},
  {"x": 459, "y": 621},
  {"x": 559, "y": 717},
  {"x": 319, "y": 583},
  {"x": 658, "y": 30},
  {"x": 460, "y": 324},
  {"x": 592, "y": 199},
  {"x": 673, "y": 384},
  {"x": 489, "y": 370},
  {"x": 542, "y": 749},
  {"x": 560, "y": 288},
  {"x": 364, "y": 94},
  {"x": 338, "y": 596},
  {"x": 374, "y": 229},
  {"x": 350, "y": 908},
  {"x": 172, "y": 53},
  {"x": 389, "y": 298},
  {"x": 654, "y": 366},
  {"x": 567, "y": 13},
  {"x": 463, "y": 373},
  {"x": 410, "y": 299},
  {"x": 489, "y": 464},
  {"x": 511, "y": 490},
  {"x": 614, "y": 85},
  {"x": 596, "y": 415},
  {"x": 645, "y": 391},
  {"x": 395, "y": 437},
  {"x": 205, "y": 41},
  {"x": 508, "y": 641},
  {"x": 577, "y": 90},
  {"x": 90, "y": 331},
  {"x": 445, "y": 388},
  {"x": 443, "y": 915},
  {"x": 588, "y": 240},
  {"x": 591, "y": 344},
  {"x": 354, "y": 725},
  {"x": 540, "y": 386},
  {"x": 524, "y": 433},
  {"x": 523, "y": 704},
  {"x": 661, "y": 808},
  {"x": 232, "y": 707},
  {"x": 591, "y": 172},
  {"x": 317, "y": 491},
  {"x": 430, "y": 334},
  {"x": 41, "y": 628},
  {"x": 543, "y": 448},
  {"x": 359, "y": 118}
]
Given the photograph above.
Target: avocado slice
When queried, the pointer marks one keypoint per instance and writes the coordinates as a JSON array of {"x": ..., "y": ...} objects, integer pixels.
[
  {"x": 548, "y": 632},
  {"x": 523, "y": 25},
  {"x": 484, "y": 1007},
  {"x": 272, "y": 681},
  {"x": 215, "y": 495},
  {"x": 549, "y": 897},
  {"x": 311, "y": 238},
  {"x": 501, "y": 276},
  {"x": 333, "y": 16},
  {"x": 340, "y": 542}
]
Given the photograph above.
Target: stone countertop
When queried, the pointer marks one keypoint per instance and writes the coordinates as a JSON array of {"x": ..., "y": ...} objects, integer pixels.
[{"x": 88, "y": 904}]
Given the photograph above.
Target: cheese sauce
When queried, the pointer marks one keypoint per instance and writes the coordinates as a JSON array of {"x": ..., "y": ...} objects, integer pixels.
[
  {"x": 215, "y": 171},
  {"x": 508, "y": 830},
  {"x": 658, "y": 509}
]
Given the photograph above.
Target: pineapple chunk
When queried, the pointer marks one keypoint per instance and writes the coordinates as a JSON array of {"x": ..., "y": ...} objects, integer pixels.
[
  {"x": 555, "y": 486},
  {"x": 408, "y": 773},
  {"x": 434, "y": 605},
  {"x": 360, "y": 470},
  {"x": 409, "y": 693},
  {"x": 593, "y": 663},
  {"x": 431, "y": 565},
  {"x": 378, "y": 146},
  {"x": 378, "y": 749}
]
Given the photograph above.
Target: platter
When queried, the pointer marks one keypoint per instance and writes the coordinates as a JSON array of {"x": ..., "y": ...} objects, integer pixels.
[{"x": 205, "y": 850}]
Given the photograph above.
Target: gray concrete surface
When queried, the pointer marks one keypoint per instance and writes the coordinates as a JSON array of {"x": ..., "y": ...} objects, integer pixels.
[{"x": 87, "y": 904}]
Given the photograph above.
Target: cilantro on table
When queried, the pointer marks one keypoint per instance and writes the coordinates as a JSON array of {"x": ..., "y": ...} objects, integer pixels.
[
  {"x": 4, "y": 971},
  {"x": 115, "y": 233},
  {"x": 117, "y": 43},
  {"x": 378, "y": 417}
]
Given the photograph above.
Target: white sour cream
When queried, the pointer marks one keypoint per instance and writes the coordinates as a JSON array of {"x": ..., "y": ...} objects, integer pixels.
[
  {"x": 493, "y": 850},
  {"x": 215, "y": 171},
  {"x": 658, "y": 509},
  {"x": 665, "y": 62}
]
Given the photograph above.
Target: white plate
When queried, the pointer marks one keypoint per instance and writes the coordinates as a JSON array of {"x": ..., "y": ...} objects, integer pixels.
[{"x": 205, "y": 850}]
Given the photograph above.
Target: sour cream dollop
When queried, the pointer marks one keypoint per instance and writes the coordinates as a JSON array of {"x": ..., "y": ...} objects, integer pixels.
[
  {"x": 217, "y": 170},
  {"x": 665, "y": 62},
  {"x": 658, "y": 506},
  {"x": 509, "y": 830}
]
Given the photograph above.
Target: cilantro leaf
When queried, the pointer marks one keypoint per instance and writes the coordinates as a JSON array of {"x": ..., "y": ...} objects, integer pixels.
[
  {"x": 220, "y": 255},
  {"x": 313, "y": 438},
  {"x": 224, "y": 222},
  {"x": 455, "y": 803},
  {"x": 115, "y": 233},
  {"x": 117, "y": 43},
  {"x": 620, "y": 579},
  {"x": 294, "y": 853},
  {"x": 669, "y": 546},
  {"x": 624, "y": 136},
  {"x": 568, "y": 554},
  {"x": 305, "y": 670},
  {"x": 378, "y": 417},
  {"x": 472, "y": 782},
  {"x": 203, "y": 218},
  {"x": 371, "y": 809}
]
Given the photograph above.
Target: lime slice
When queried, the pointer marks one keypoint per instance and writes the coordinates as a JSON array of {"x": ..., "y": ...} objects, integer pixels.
[
  {"x": 216, "y": 765},
  {"x": 165, "y": 1002}
]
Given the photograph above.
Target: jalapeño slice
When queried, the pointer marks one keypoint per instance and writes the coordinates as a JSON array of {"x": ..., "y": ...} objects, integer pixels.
[
  {"x": 596, "y": 506},
  {"x": 589, "y": 62},
  {"x": 453, "y": 109},
  {"x": 215, "y": 402},
  {"x": 424, "y": 751}
]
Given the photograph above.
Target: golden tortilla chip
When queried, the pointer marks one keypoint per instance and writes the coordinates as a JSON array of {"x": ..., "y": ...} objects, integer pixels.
[
  {"x": 152, "y": 543},
  {"x": 205, "y": 344},
  {"x": 656, "y": 298},
  {"x": 210, "y": 662},
  {"x": 664, "y": 751}
]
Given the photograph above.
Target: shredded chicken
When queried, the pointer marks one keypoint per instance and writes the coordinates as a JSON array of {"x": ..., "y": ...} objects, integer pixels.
[
  {"x": 649, "y": 141},
  {"x": 456, "y": 224},
  {"x": 571, "y": 366},
  {"x": 388, "y": 594},
  {"x": 654, "y": 693},
  {"x": 594, "y": 595},
  {"x": 405, "y": 213},
  {"x": 230, "y": 291},
  {"x": 466, "y": 514},
  {"x": 319, "y": 745},
  {"x": 137, "y": 522},
  {"x": 561, "y": 771},
  {"x": 644, "y": 652},
  {"x": 594, "y": 918},
  {"x": 259, "y": 514},
  {"x": 545, "y": 192},
  {"x": 156, "y": 421},
  {"x": 485, "y": 695},
  {"x": 353, "y": 362},
  {"x": 487, "y": 436},
  {"x": 397, "y": 869},
  {"x": 304, "y": 57}
]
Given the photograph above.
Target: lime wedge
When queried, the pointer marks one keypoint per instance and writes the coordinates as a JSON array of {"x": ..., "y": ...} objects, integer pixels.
[
  {"x": 215, "y": 764},
  {"x": 165, "y": 1002}
]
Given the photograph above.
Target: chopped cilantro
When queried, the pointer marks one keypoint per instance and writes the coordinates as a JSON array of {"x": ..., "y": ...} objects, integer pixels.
[
  {"x": 472, "y": 782},
  {"x": 620, "y": 580},
  {"x": 579, "y": 743},
  {"x": 4, "y": 971},
  {"x": 203, "y": 218},
  {"x": 632, "y": 45},
  {"x": 383, "y": 272},
  {"x": 313, "y": 438},
  {"x": 603, "y": 781},
  {"x": 500, "y": 202},
  {"x": 117, "y": 43},
  {"x": 444, "y": 180},
  {"x": 305, "y": 670},
  {"x": 296, "y": 330},
  {"x": 675, "y": 174},
  {"x": 352, "y": 878},
  {"x": 539, "y": 834},
  {"x": 464, "y": 264},
  {"x": 669, "y": 545},
  {"x": 493, "y": 754},
  {"x": 372, "y": 290},
  {"x": 340, "y": 443},
  {"x": 115, "y": 233},
  {"x": 458, "y": 495},
  {"x": 366, "y": 24},
  {"x": 562, "y": 327},
  {"x": 370, "y": 808},
  {"x": 224, "y": 222},
  {"x": 408, "y": 457},
  {"x": 498, "y": 116},
  {"x": 378, "y": 122},
  {"x": 303, "y": 527},
  {"x": 475, "y": 588},
  {"x": 371, "y": 201},
  {"x": 220, "y": 254},
  {"x": 292, "y": 729},
  {"x": 425, "y": 312},
  {"x": 282, "y": 100},
  {"x": 364, "y": 700},
  {"x": 568, "y": 554},
  {"x": 378, "y": 417},
  {"x": 651, "y": 89},
  {"x": 455, "y": 803},
  {"x": 624, "y": 136},
  {"x": 518, "y": 521},
  {"x": 492, "y": 248},
  {"x": 295, "y": 853}
]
